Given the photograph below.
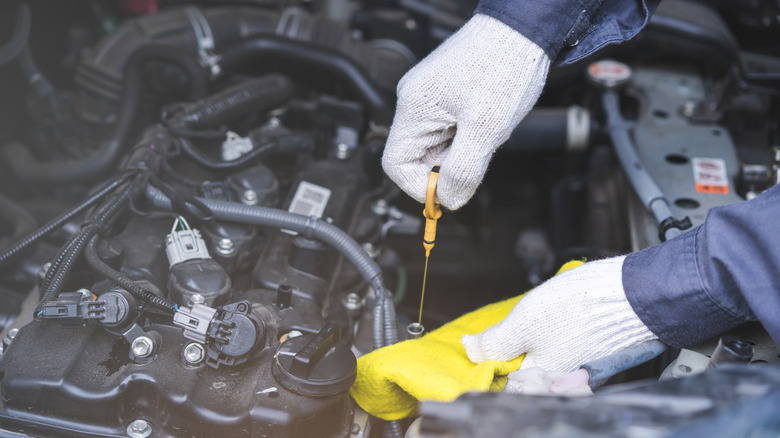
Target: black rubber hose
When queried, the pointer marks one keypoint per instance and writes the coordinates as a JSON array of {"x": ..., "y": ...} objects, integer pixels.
[
  {"x": 393, "y": 429},
  {"x": 16, "y": 218},
  {"x": 69, "y": 258},
  {"x": 316, "y": 60},
  {"x": 56, "y": 276},
  {"x": 255, "y": 95},
  {"x": 77, "y": 241},
  {"x": 309, "y": 226},
  {"x": 18, "y": 41},
  {"x": 55, "y": 223},
  {"x": 120, "y": 279},
  {"x": 100, "y": 73},
  {"x": 287, "y": 143},
  {"x": 58, "y": 259},
  {"x": 29, "y": 169}
]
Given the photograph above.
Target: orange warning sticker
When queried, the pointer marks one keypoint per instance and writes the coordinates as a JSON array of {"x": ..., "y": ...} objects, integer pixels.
[
  {"x": 709, "y": 175},
  {"x": 719, "y": 190}
]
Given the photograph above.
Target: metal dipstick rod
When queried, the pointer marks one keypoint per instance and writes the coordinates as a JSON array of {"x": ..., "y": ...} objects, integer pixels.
[{"x": 432, "y": 213}]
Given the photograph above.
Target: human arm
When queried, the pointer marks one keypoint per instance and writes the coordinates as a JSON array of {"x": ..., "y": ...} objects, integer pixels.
[
  {"x": 459, "y": 104},
  {"x": 702, "y": 283}
]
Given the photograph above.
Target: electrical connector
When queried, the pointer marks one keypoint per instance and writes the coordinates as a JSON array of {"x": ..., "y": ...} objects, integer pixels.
[
  {"x": 235, "y": 146},
  {"x": 184, "y": 244},
  {"x": 229, "y": 333},
  {"x": 111, "y": 309},
  {"x": 195, "y": 321}
]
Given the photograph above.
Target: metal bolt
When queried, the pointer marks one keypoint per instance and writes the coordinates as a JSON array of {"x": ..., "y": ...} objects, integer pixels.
[
  {"x": 274, "y": 122},
  {"x": 142, "y": 346},
  {"x": 342, "y": 151},
  {"x": 370, "y": 249},
  {"x": 139, "y": 429},
  {"x": 86, "y": 293},
  {"x": 249, "y": 197},
  {"x": 225, "y": 247},
  {"x": 196, "y": 299},
  {"x": 194, "y": 353},
  {"x": 380, "y": 207},
  {"x": 294, "y": 334},
  {"x": 352, "y": 301},
  {"x": 411, "y": 24},
  {"x": 11, "y": 335}
]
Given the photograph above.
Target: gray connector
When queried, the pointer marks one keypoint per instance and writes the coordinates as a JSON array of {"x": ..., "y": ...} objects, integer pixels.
[
  {"x": 185, "y": 244},
  {"x": 235, "y": 146},
  {"x": 195, "y": 321}
]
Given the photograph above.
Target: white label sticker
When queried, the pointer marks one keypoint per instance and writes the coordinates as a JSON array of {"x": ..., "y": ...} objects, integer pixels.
[
  {"x": 309, "y": 200},
  {"x": 709, "y": 175}
]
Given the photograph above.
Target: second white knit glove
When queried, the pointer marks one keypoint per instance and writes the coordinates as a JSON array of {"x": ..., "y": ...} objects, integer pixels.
[
  {"x": 574, "y": 318},
  {"x": 458, "y": 105}
]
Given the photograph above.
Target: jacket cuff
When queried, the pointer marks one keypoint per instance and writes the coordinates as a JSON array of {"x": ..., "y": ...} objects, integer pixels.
[
  {"x": 664, "y": 287},
  {"x": 550, "y": 24}
]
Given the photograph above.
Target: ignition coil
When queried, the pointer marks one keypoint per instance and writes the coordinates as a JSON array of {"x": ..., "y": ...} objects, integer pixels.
[{"x": 229, "y": 333}]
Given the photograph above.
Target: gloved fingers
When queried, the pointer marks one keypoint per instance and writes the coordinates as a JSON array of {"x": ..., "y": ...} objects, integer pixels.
[
  {"x": 502, "y": 342},
  {"x": 419, "y": 138},
  {"x": 408, "y": 159},
  {"x": 467, "y": 161}
]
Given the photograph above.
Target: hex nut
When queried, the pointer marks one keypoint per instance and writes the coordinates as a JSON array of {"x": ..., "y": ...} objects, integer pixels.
[
  {"x": 139, "y": 429},
  {"x": 249, "y": 197},
  {"x": 142, "y": 346},
  {"x": 225, "y": 247},
  {"x": 196, "y": 299},
  {"x": 194, "y": 353}
]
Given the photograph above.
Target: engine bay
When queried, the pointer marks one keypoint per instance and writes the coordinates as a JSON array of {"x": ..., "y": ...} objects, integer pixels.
[{"x": 197, "y": 237}]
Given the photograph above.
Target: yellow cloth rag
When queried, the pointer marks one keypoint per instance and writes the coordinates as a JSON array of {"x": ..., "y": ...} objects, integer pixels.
[{"x": 391, "y": 380}]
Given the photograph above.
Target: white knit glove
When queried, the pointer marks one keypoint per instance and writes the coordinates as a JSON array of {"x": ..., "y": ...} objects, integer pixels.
[
  {"x": 574, "y": 318},
  {"x": 458, "y": 105}
]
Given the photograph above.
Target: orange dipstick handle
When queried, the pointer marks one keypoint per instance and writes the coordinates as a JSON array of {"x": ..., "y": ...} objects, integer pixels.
[{"x": 432, "y": 211}]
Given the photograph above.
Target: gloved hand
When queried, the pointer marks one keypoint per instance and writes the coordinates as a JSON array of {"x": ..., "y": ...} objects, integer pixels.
[
  {"x": 575, "y": 317},
  {"x": 458, "y": 105}
]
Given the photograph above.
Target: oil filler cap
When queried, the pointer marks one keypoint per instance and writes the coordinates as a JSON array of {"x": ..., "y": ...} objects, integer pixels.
[{"x": 315, "y": 365}]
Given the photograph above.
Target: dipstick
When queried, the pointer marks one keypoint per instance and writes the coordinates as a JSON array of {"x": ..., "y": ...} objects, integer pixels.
[{"x": 432, "y": 213}]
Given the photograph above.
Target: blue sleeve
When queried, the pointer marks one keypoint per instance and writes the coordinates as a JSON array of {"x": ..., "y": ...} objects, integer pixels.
[
  {"x": 569, "y": 30},
  {"x": 712, "y": 278}
]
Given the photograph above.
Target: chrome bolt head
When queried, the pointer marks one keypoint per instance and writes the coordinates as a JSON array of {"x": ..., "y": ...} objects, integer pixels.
[
  {"x": 142, "y": 346},
  {"x": 294, "y": 334},
  {"x": 139, "y": 429},
  {"x": 86, "y": 293},
  {"x": 249, "y": 197},
  {"x": 225, "y": 247},
  {"x": 194, "y": 353},
  {"x": 371, "y": 249},
  {"x": 352, "y": 301},
  {"x": 196, "y": 299},
  {"x": 380, "y": 207},
  {"x": 11, "y": 335}
]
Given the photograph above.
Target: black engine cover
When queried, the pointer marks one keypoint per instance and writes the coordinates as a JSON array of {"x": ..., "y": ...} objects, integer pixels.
[{"x": 81, "y": 382}]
